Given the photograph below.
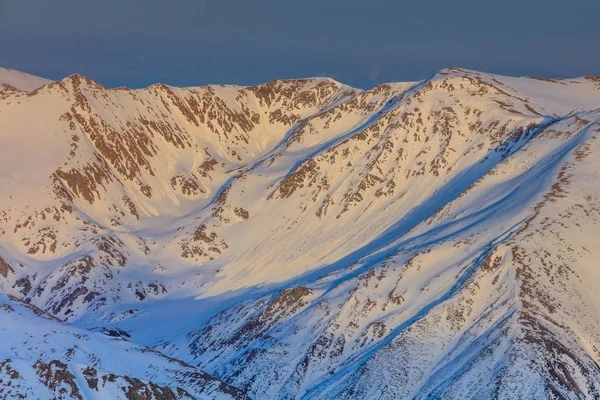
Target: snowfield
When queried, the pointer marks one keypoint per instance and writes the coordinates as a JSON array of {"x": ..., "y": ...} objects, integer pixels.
[{"x": 301, "y": 239}]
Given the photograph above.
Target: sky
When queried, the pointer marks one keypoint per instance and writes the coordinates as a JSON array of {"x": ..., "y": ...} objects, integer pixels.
[{"x": 360, "y": 43}]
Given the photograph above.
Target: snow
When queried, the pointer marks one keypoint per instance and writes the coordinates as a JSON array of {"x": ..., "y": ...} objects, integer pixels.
[
  {"x": 413, "y": 240},
  {"x": 29, "y": 338},
  {"x": 21, "y": 81}
]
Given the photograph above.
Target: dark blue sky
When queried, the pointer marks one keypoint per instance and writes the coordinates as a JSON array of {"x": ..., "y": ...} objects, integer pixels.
[{"x": 362, "y": 43}]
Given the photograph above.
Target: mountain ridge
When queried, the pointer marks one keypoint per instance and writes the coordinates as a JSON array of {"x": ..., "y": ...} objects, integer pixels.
[{"x": 272, "y": 229}]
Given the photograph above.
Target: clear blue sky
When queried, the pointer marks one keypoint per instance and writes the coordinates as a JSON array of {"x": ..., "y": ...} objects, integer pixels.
[{"x": 362, "y": 43}]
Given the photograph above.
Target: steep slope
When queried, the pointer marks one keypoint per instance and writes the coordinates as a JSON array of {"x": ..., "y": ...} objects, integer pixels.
[
  {"x": 117, "y": 170},
  {"x": 303, "y": 239},
  {"x": 42, "y": 357},
  {"x": 476, "y": 302}
]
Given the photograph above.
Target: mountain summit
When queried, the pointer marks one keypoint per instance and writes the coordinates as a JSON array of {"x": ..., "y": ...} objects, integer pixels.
[{"x": 301, "y": 239}]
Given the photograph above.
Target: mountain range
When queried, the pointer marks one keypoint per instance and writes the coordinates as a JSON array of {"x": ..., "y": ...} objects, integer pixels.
[{"x": 300, "y": 239}]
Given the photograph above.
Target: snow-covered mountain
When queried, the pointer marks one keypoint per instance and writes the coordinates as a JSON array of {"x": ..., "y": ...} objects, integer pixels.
[
  {"x": 11, "y": 80},
  {"x": 42, "y": 357},
  {"x": 305, "y": 239}
]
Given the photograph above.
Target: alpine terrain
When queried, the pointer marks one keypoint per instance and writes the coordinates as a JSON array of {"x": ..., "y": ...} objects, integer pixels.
[{"x": 300, "y": 239}]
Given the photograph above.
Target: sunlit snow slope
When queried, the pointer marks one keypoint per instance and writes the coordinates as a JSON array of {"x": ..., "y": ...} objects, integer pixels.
[
  {"x": 304, "y": 239},
  {"x": 11, "y": 80}
]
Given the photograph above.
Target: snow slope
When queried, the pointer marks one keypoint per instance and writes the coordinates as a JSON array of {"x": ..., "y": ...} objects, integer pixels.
[
  {"x": 304, "y": 239},
  {"x": 11, "y": 79},
  {"x": 43, "y": 358}
]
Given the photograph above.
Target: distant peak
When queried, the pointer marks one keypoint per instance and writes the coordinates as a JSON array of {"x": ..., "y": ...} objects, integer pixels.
[{"x": 21, "y": 81}]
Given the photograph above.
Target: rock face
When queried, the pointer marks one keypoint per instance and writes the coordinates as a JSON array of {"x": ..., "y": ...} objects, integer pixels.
[{"x": 304, "y": 239}]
